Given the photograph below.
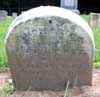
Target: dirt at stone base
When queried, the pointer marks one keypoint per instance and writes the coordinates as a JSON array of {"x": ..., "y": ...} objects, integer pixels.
[{"x": 84, "y": 91}]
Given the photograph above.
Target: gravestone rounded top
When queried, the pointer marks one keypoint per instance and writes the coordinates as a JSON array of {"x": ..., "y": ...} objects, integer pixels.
[
  {"x": 47, "y": 46},
  {"x": 51, "y": 11}
]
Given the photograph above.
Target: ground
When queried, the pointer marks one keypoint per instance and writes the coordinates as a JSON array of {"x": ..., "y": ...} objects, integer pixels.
[{"x": 85, "y": 91}]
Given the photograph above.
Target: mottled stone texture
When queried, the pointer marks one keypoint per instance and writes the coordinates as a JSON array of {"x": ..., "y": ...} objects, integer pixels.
[
  {"x": 46, "y": 49},
  {"x": 14, "y": 14},
  {"x": 94, "y": 20},
  {"x": 3, "y": 15}
]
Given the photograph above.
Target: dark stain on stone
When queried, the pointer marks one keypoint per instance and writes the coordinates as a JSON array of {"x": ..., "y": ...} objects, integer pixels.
[{"x": 50, "y": 21}]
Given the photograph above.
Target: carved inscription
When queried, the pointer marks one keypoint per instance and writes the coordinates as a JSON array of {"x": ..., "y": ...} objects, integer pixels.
[{"x": 49, "y": 38}]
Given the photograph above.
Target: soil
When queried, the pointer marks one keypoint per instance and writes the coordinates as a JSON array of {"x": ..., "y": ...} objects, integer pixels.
[
  {"x": 4, "y": 76},
  {"x": 84, "y": 91}
]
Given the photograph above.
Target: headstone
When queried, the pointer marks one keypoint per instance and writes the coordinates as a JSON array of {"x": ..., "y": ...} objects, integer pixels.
[
  {"x": 71, "y": 5},
  {"x": 47, "y": 46},
  {"x": 14, "y": 14},
  {"x": 94, "y": 20},
  {"x": 3, "y": 15},
  {"x": 22, "y": 12}
]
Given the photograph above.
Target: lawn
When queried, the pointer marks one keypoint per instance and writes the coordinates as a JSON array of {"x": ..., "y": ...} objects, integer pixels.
[
  {"x": 96, "y": 32},
  {"x": 3, "y": 30}
]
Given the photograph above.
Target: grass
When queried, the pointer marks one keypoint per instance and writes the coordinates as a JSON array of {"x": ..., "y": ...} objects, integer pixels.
[
  {"x": 3, "y": 29},
  {"x": 96, "y": 32},
  {"x": 7, "y": 90},
  {"x": 97, "y": 47},
  {"x": 85, "y": 17}
]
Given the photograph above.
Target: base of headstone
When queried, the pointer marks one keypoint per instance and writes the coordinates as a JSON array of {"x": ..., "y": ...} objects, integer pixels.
[{"x": 75, "y": 11}]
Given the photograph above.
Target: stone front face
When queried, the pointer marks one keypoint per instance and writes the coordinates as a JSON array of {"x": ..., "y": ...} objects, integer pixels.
[
  {"x": 3, "y": 15},
  {"x": 69, "y": 4},
  {"x": 47, "y": 51},
  {"x": 94, "y": 20},
  {"x": 14, "y": 14}
]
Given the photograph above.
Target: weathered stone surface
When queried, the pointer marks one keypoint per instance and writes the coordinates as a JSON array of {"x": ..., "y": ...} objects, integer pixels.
[
  {"x": 3, "y": 15},
  {"x": 14, "y": 14},
  {"x": 70, "y": 5},
  {"x": 94, "y": 20},
  {"x": 47, "y": 46}
]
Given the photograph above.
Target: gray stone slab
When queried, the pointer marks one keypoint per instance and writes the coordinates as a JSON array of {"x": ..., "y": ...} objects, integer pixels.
[
  {"x": 47, "y": 46},
  {"x": 69, "y": 4},
  {"x": 75, "y": 11},
  {"x": 94, "y": 20},
  {"x": 3, "y": 15},
  {"x": 14, "y": 14}
]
